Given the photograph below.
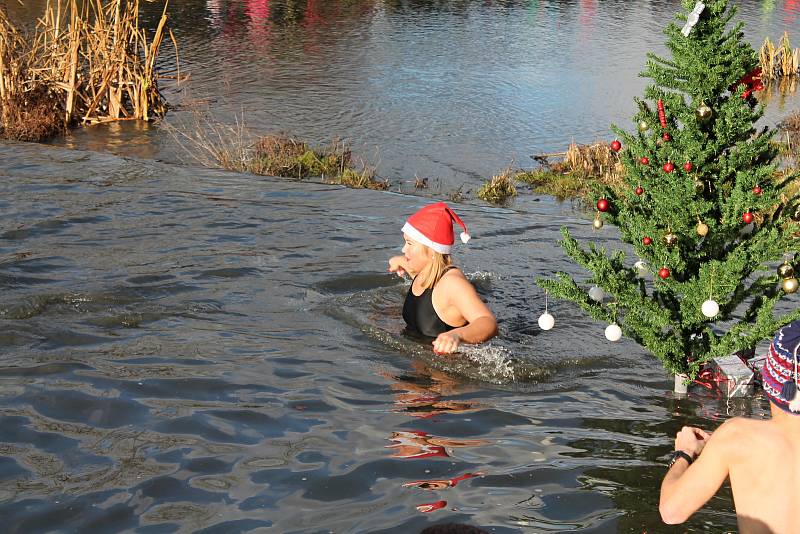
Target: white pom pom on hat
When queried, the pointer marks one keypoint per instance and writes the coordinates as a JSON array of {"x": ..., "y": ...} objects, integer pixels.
[{"x": 433, "y": 227}]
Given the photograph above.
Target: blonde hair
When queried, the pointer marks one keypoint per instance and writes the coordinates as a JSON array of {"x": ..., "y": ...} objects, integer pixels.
[{"x": 431, "y": 274}]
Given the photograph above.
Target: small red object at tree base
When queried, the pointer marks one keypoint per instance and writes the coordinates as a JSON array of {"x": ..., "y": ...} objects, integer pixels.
[
  {"x": 646, "y": 241},
  {"x": 616, "y": 145},
  {"x": 663, "y": 273},
  {"x": 644, "y": 160},
  {"x": 747, "y": 217},
  {"x": 638, "y": 190},
  {"x": 602, "y": 205},
  {"x": 688, "y": 166},
  {"x": 669, "y": 166}
]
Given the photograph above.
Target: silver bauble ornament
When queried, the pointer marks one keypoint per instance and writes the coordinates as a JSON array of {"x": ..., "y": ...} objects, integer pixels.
[
  {"x": 613, "y": 332},
  {"x": 785, "y": 270},
  {"x": 597, "y": 294}
]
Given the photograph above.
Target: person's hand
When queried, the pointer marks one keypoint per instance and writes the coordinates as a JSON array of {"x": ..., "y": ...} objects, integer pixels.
[
  {"x": 446, "y": 343},
  {"x": 396, "y": 265},
  {"x": 691, "y": 440}
]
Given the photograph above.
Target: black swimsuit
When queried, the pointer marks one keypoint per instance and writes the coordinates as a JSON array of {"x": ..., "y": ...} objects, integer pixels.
[{"x": 421, "y": 318}]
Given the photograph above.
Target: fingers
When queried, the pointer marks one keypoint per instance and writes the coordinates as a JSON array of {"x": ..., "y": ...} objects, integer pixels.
[{"x": 446, "y": 343}]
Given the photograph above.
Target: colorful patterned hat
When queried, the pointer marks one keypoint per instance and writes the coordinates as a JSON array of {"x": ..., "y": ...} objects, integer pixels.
[{"x": 780, "y": 369}]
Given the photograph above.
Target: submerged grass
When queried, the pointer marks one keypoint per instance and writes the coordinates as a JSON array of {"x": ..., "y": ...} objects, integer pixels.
[
  {"x": 214, "y": 144},
  {"x": 499, "y": 189}
]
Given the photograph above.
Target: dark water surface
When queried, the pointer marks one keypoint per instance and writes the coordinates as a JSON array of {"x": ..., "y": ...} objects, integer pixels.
[{"x": 190, "y": 350}]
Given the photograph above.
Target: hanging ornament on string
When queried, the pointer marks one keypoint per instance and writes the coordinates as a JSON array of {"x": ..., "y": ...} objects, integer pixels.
[
  {"x": 639, "y": 190},
  {"x": 641, "y": 267},
  {"x": 669, "y": 167},
  {"x": 786, "y": 271},
  {"x": 703, "y": 112},
  {"x": 643, "y": 126},
  {"x": 688, "y": 166},
  {"x": 710, "y": 308},
  {"x": 670, "y": 239},
  {"x": 616, "y": 145},
  {"x": 662, "y": 116},
  {"x": 699, "y": 187},
  {"x": 664, "y": 273},
  {"x": 597, "y": 294},
  {"x": 757, "y": 190},
  {"x": 647, "y": 241},
  {"x": 603, "y": 205},
  {"x": 666, "y": 136},
  {"x": 613, "y": 332},
  {"x": 701, "y": 228},
  {"x": 747, "y": 217},
  {"x": 598, "y": 222},
  {"x": 644, "y": 160},
  {"x": 546, "y": 321}
]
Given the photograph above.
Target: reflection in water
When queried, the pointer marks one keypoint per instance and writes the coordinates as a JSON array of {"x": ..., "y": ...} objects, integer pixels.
[
  {"x": 415, "y": 444},
  {"x": 423, "y": 393},
  {"x": 440, "y": 484}
]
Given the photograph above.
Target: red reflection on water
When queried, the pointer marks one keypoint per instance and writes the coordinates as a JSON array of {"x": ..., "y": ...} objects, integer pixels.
[
  {"x": 417, "y": 444},
  {"x": 440, "y": 484},
  {"x": 792, "y": 10},
  {"x": 430, "y": 507}
]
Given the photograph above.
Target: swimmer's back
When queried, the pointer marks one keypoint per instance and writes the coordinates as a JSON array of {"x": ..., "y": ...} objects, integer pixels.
[{"x": 764, "y": 470}]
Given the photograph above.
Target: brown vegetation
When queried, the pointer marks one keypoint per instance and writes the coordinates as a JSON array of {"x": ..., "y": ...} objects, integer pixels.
[
  {"x": 499, "y": 189},
  {"x": 779, "y": 61},
  {"x": 85, "y": 62}
]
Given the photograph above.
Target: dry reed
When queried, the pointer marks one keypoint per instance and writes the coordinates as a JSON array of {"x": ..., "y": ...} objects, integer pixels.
[
  {"x": 779, "y": 61},
  {"x": 499, "y": 189},
  {"x": 85, "y": 62}
]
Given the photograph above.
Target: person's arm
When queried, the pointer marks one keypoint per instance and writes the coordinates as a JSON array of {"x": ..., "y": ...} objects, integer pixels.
[
  {"x": 481, "y": 323},
  {"x": 397, "y": 264},
  {"x": 686, "y": 488}
]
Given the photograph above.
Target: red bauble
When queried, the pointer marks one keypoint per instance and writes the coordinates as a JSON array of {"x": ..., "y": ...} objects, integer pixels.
[
  {"x": 638, "y": 190},
  {"x": 663, "y": 273},
  {"x": 757, "y": 190},
  {"x": 688, "y": 166},
  {"x": 644, "y": 160},
  {"x": 666, "y": 136},
  {"x": 646, "y": 241},
  {"x": 747, "y": 217},
  {"x": 602, "y": 205},
  {"x": 669, "y": 166},
  {"x": 616, "y": 145}
]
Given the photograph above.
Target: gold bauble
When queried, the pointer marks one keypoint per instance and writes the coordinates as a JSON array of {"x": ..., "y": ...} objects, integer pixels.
[
  {"x": 643, "y": 126},
  {"x": 703, "y": 112},
  {"x": 789, "y": 285},
  {"x": 785, "y": 270},
  {"x": 670, "y": 240},
  {"x": 598, "y": 223},
  {"x": 699, "y": 187},
  {"x": 702, "y": 229}
]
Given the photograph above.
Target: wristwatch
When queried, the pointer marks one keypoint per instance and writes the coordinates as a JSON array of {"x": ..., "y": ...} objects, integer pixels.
[{"x": 679, "y": 454}]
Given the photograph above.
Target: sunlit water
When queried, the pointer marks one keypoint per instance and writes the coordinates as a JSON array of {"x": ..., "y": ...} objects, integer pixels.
[{"x": 184, "y": 349}]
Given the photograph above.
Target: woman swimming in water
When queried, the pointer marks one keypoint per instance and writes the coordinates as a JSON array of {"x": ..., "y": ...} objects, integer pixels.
[{"x": 441, "y": 303}]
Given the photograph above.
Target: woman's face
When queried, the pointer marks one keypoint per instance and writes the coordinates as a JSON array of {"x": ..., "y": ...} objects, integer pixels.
[{"x": 417, "y": 255}]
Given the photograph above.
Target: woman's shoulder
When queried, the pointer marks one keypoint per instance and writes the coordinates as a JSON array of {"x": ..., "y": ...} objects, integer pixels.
[{"x": 453, "y": 277}]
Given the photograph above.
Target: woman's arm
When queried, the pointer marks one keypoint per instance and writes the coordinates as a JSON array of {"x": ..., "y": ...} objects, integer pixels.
[
  {"x": 397, "y": 264},
  {"x": 481, "y": 325}
]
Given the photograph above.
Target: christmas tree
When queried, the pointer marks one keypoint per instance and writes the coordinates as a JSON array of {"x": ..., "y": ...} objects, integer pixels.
[{"x": 703, "y": 207}]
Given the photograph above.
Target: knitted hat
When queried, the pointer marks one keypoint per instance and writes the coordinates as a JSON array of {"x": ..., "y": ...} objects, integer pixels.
[
  {"x": 433, "y": 227},
  {"x": 780, "y": 369}
]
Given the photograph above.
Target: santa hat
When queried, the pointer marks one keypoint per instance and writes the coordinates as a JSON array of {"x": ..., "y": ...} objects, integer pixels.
[{"x": 433, "y": 227}]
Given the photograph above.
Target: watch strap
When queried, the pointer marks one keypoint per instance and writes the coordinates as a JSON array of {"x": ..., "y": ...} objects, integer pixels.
[{"x": 680, "y": 454}]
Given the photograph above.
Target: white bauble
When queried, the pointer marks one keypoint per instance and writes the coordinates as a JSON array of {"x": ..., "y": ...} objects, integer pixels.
[
  {"x": 710, "y": 308},
  {"x": 546, "y": 321},
  {"x": 597, "y": 294},
  {"x": 641, "y": 267},
  {"x": 613, "y": 332}
]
